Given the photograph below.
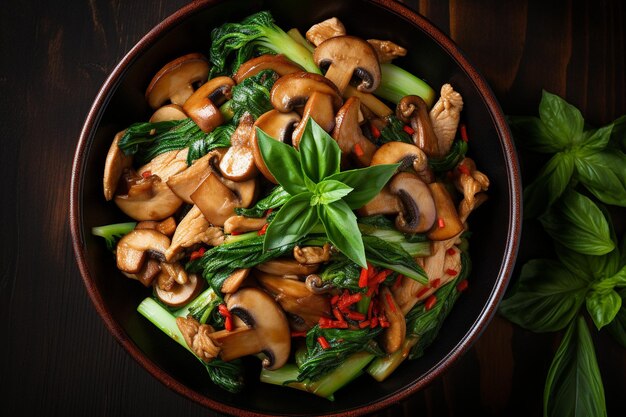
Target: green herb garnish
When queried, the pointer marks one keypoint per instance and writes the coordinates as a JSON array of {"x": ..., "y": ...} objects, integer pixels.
[{"x": 319, "y": 192}]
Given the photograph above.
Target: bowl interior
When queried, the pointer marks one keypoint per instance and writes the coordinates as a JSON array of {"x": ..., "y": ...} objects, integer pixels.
[{"x": 495, "y": 224}]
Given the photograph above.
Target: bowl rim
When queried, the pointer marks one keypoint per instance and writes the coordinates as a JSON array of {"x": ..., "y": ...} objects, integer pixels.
[{"x": 489, "y": 309}]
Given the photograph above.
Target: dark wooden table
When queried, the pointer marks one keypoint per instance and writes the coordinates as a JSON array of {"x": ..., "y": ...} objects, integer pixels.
[{"x": 56, "y": 356}]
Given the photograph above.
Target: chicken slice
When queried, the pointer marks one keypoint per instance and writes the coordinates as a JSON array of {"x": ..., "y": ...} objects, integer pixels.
[{"x": 445, "y": 116}]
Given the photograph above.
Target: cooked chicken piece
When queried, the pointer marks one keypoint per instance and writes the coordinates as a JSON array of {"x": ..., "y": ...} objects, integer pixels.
[
  {"x": 445, "y": 116},
  {"x": 327, "y": 29},
  {"x": 197, "y": 337},
  {"x": 312, "y": 254},
  {"x": 193, "y": 229},
  {"x": 166, "y": 164},
  {"x": 386, "y": 50},
  {"x": 242, "y": 224},
  {"x": 472, "y": 183}
]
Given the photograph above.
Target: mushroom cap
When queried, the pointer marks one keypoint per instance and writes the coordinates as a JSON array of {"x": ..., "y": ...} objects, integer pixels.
[
  {"x": 294, "y": 90},
  {"x": 185, "y": 182},
  {"x": 175, "y": 80},
  {"x": 238, "y": 162},
  {"x": 276, "y": 125},
  {"x": 168, "y": 112},
  {"x": 277, "y": 63},
  {"x": 394, "y": 335},
  {"x": 180, "y": 295},
  {"x": 346, "y": 56},
  {"x": 203, "y": 105},
  {"x": 446, "y": 211},
  {"x": 414, "y": 110},
  {"x": 419, "y": 207},
  {"x": 153, "y": 202},
  {"x": 286, "y": 266},
  {"x": 114, "y": 166},
  {"x": 348, "y": 134},
  {"x": 259, "y": 311},
  {"x": 408, "y": 155},
  {"x": 132, "y": 248}
]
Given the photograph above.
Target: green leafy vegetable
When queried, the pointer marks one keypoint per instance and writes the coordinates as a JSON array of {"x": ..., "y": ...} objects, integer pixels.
[
  {"x": 390, "y": 255},
  {"x": 139, "y": 134},
  {"x": 454, "y": 156},
  {"x": 549, "y": 185},
  {"x": 617, "y": 327},
  {"x": 604, "y": 175},
  {"x": 276, "y": 198},
  {"x": 312, "y": 175},
  {"x": 202, "y": 144},
  {"x": 252, "y": 95},
  {"x": 574, "y": 384},
  {"x": 343, "y": 274},
  {"x": 113, "y": 232},
  {"x": 393, "y": 132},
  {"x": 563, "y": 121},
  {"x": 603, "y": 306}
]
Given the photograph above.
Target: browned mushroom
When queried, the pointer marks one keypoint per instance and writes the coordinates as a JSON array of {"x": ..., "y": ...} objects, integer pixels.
[
  {"x": 320, "y": 108},
  {"x": 203, "y": 105},
  {"x": 149, "y": 199},
  {"x": 243, "y": 224},
  {"x": 348, "y": 56},
  {"x": 419, "y": 210},
  {"x": 168, "y": 112},
  {"x": 448, "y": 222},
  {"x": 348, "y": 134},
  {"x": 312, "y": 254},
  {"x": 394, "y": 335},
  {"x": 133, "y": 248},
  {"x": 385, "y": 202},
  {"x": 267, "y": 330},
  {"x": 185, "y": 183},
  {"x": 277, "y": 63},
  {"x": 115, "y": 164},
  {"x": 277, "y": 125},
  {"x": 368, "y": 100},
  {"x": 413, "y": 110},
  {"x": 179, "y": 294},
  {"x": 286, "y": 266},
  {"x": 175, "y": 81},
  {"x": 235, "y": 280},
  {"x": 409, "y": 156},
  {"x": 167, "y": 226},
  {"x": 194, "y": 228},
  {"x": 238, "y": 162},
  {"x": 215, "y": 200}
]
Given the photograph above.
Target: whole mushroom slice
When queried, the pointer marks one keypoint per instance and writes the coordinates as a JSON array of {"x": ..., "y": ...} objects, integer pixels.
[
  {"x": 203, "y": 105},
  {"x": 347, "y": 56},
  {"x": 319, "y": 107},
  {"x": 168, "y": 112},
  {"x": 134, "y": 247},
  {"x": 235, "y": 280},
  {"x": 286, "y": 266},
  {"x": 238, "y": 162},
  {"x": 448, "y": 222},
  {"x": 175, "y": 81},
  {"x": 277, "y": 63},
  {"x": 348, "y": 134},
  {"x": 413, "y": 110},
  {"x": 409, "y": 156},
  {"x": 149, "y": 199},
  {"x": 267, "y": 329},
  {"x": 368, "y": 100},
  {"x": 180, "y": 294},
  {"x": 115, "y": 164},
  {"x": 419, "y": 211},
  {"x": 394, "y": 335},
  {"x": 278, "y": 126},
  {"x": 293, "y": 90},
  {"x": 185, "y": 182}
]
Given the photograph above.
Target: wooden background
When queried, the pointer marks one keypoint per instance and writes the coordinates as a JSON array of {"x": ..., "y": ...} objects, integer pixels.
[{"x": 56, "y": 356}]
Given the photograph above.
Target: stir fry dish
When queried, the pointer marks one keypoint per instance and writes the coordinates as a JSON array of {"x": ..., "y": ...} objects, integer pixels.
[{"x": 296, "y": 199}]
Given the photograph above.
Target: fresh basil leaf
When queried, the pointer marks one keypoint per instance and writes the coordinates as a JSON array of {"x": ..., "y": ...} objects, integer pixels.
[
  {"x": 531, "y": 133},
  {"x": 319, "y": 153},
  {"x": 595, "y": 140},
  {"x": 276, "y": 198},
  {"x": 564, "y": 121},
  {"x": 367, "y": 182},
  {"x": 294, "y": 220},
  {"x": 546, "y": 298},
  {"x": 578, "y": 224},
  {"x": 604, "y": 175},
  {"x": 588, "y": 267},
  {"x": 574, "y": 384},
  {"x": 622, "y": 256},
  {"x": 603, "y": 306},
  {"x": 283, "y": 161},
  {"x": 618, "y": 135},
  {"x": 342, "y": 230},
  {"x": 549, "y": 185},
  {"x": 617, "y": 327},
  {"x": 329, "y": 191}
]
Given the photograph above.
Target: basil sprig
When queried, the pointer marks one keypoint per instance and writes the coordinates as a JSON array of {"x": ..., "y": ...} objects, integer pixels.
[{"x": 319, "y": 192}]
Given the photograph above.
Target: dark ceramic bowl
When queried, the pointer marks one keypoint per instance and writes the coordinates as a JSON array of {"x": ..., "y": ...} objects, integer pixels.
[{"x": 433, "y": 56}]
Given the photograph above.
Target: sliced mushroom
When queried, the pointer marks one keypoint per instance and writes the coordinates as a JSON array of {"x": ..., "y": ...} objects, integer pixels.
[
  {"x": 316, "y": 285},
  {"x": 286, "y": 266},
  {"x": 409, "y": 156},
  {"x": 235, "y": 280},
  {"x": 312, "y": 254},
  {"x": 413, "y": 110},
  {"x": 319, "y": 107},
  {"x": 348, "y": 56},
  {"x": 448, "y": 222},
  {"x": 394, "y": 335},
  {"x": 296, "y": 299},
  {"x": 132, "y": 249},
  {"x": 386, "y": 51},
  {"x": 194, "y": 228},
  {"x": 267, "y": 329},
  {"x": 185, "y": 183},
  {"x": 180, "y": 295},
  {"x": 149, "y": 199},
  {"x": 150, "y": 270},
  {"x": 419, "y": 210},
  {"x": 167, "y": 226},
  {"x": 277, "y": 125},
  {"x": 368, "y": 100},
  {"x": 385, "y": 202},
  {"x": 277, "y": 63},
  {"x": 168, "y": 112},
  {"x": 324, "y": 30},
  {"x": 114, "y": 166},
  {"x": 203, "y": 105},
  {"x": 175, "y": 81},
  {"x": 238, "y": 162},
  {"x": 445, "y": 116},
  {"x": 243, "y": 224},
  {"x": 348, "y": 134}
]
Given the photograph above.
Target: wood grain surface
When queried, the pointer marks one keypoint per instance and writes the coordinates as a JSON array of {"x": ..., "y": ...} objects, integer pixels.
[{"x": 56, "y": 356}]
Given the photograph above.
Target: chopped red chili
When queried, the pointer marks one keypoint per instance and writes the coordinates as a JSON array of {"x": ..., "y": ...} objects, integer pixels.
[
  {"x": 358, "y": 150},
  {"x": 371, "y": 270},
  {"x": 380, "y": 277},
  {"x": 364, "y": 324},
  {"x": 436, "y": 283},
  {"x": 298, "y": 334},
  {"x": 398, "y": 282},
  {"x": 223, "y": 310},
  {"x": 464, "y": 136},
  {"x": 430, "y": 302},
  {"x": 197, "y": 254},
  {"x": 323, "y": 342},
  {"x": 269, "y": 211},
  {"x": 355, "y": 315},
  {"x": 421, "y": 292},
  {"x": 373, "y": 322},
  {"x": 228, "y": 323},
  {"x": 324, "y": 322},
  {"x": 451, "y": 272},
  {"x": 235, "y": 233},
  {"x": 463, "y": 169},
  {"x": 146, "y": 174},
  {"x": 338, "y": 315},
  {"x": 384, "y": 322},
  {"x": 363, "y": 278},
  {"x": 334, "y": 299},
  {"x": 391, "y": 303},
  {"x": 408, "y": 129},
  {"x": 263, "y": 229},
  {"x": 441, "y": 223},
  {"x": 375, "y": 131},
  {"x": 451, "y": 251},
  {"x": 462, "y": 286},
  {"x": 369, "y": 309},
  {"x": 347, "y": 301}
]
